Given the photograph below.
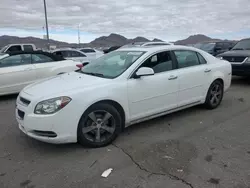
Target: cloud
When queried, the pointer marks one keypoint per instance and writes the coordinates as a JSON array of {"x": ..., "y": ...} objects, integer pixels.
[{"x": 167, "y": 19}]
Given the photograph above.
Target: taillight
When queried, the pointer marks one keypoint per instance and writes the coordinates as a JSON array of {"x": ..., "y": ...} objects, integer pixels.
[{"x": 79, "y": 66}]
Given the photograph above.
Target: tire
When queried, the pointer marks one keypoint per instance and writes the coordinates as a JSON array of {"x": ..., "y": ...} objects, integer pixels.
[
  {"x": 215, "y": 89},
  {"x": 99, "y": 125}
]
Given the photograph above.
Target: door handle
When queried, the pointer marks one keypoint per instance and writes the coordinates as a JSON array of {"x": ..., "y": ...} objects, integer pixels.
[
  {"x": 172, "y": 77},
  {"x": 207, "y": 70}
]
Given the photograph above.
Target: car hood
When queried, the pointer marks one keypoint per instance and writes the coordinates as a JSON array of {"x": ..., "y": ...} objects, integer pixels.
[
  {"x": 63, "y": 83},
  {"x": 236, "y": 53}
]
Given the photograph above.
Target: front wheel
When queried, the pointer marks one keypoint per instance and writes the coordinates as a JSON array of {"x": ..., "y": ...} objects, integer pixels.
[
  {"x": 99, "y": 125},
  {"x": 214, "y": 95}
]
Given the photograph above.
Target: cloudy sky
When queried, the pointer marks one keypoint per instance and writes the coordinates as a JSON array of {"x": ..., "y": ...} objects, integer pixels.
[{"x": 165, "y": 19}]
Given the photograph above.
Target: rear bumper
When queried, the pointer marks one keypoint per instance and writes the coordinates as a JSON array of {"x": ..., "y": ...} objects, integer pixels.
[{"x": 241, "y": 70}]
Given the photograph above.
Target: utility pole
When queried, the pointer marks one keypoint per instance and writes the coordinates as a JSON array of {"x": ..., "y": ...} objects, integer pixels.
[
  {"x": 46, "y": 23},
  {"x": 79, "y": 36}
]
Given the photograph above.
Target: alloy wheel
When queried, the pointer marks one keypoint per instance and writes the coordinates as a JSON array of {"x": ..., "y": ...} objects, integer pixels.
[
  {"x": 99, "y": 126},
  {"x": 216, "y": 94}
]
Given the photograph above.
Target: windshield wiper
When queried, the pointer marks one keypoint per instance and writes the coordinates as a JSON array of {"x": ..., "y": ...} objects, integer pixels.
[{"x": 93, "y": 74}]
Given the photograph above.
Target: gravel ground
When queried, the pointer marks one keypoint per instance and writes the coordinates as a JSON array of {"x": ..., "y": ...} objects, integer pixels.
[{"x": 194, "y": 148}]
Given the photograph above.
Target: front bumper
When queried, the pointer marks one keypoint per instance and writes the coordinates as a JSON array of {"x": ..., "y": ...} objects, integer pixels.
[
  {"x": 61, "y": 124},
  {"x": 241, "y": 70}
]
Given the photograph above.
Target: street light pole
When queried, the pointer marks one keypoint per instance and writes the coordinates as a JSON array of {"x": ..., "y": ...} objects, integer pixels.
[
  {"x": 46, "y": 23},
  {"x": 79, "y": 36}
]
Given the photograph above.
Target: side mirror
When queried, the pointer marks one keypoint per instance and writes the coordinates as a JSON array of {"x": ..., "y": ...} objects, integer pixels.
[
  {"x": 230, "y": 48},
  {"x": 144, "y": 71}
]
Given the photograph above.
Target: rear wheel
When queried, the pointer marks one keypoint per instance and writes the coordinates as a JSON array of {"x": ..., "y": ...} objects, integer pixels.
[
  {"x": 99, "y": 125},
  {"x": 214, "y": 95}
]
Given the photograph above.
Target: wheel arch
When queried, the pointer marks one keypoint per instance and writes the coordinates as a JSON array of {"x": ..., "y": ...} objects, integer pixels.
[{"x": 114, "y": 103}]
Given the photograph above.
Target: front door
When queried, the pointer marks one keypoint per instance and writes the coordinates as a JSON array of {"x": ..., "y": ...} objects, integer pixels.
[
  {"x": 15, "y": 73},
  {"x": 149, "y": 95}
]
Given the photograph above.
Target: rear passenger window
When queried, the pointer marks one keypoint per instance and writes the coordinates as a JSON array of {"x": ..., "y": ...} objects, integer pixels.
[
  {"x": 201, "y": 59},
  {"x": 76, "y": 54},
  {"x": 88, "y": 51},
  {"x": 28, "y": 48},
  {"x": 160, "y": 62},
  {"x": 40, "y": 58},
  {"x": 186, "y": 58}
]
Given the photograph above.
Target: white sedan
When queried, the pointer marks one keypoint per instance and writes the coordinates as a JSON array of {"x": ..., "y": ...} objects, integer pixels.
[
  {"x": 91, "y": 53},
  {"x": 19, "y": 69},
  {"x": 124, "y": 87},
  {"x": 73, "y": 54}
]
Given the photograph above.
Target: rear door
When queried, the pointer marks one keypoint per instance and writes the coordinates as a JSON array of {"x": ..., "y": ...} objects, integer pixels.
[
  {"x": 194, "y": 73},
  {"x": 15, "y": 73},
  {"x": 77, "y": 56},
  {"x": 90, "y": 53},
  {"x": 43, "y": 65}
]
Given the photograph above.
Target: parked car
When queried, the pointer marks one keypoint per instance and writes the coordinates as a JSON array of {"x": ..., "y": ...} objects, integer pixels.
[
  {"x": 18, "y": 69},
  {"x": 239, "y": 57},
  {"x": 121, "y": 88},
  {"x": 72, "y": 54},
  {"x": 112, "y": 48},
  {"x": 138, "y": 44},
  {"x": 215, "y": 48},
  {"x": 91, "y": 53},
  {"x": 18, "y": 48}
]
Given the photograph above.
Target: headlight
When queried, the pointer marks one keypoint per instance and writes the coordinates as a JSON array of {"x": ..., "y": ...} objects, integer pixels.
[
  {"x": 51, "y": 106},
  {"x": 221, "y": 58}
]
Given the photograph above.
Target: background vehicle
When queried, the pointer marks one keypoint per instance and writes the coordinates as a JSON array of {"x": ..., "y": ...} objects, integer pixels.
[
  {"x": 239, "y": 57},
  {"x": 138, "y": 44},
  {"x": 215, "y": 48},
  {"x": 72, "y": 54},
  {"x": 91, "y": 53},
  {"x": 19, "y": 69},
  {"x": 18, "y": 48},
  {"x": 112, "y": 48},
  {"x": 145, "y": 83}
]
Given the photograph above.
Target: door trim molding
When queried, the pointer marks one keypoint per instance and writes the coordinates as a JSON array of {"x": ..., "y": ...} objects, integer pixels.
[{"x": 164, "y": 112}]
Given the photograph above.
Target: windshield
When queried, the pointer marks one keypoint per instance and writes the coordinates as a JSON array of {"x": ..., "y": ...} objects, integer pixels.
[
  {"x": 112, "y": 64},
  {"x": 242, "y": 45},
  {"x": 205, "y": 46},
  {"x": 3, "y": 49}
]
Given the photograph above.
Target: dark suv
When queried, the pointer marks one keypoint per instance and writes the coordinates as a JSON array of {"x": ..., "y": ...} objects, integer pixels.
[
  {"x": 239, "y": 57},
  {"x": 215, "y": 48}
]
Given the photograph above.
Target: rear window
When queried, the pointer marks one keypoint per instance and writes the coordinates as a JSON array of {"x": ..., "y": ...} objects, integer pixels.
[{"x": 27, "y": 48}]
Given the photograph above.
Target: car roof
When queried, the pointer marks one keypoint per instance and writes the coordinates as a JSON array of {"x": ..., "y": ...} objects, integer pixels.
[
  {"x": 66, "y": 49},
  {"x": 157, "y": 48}
]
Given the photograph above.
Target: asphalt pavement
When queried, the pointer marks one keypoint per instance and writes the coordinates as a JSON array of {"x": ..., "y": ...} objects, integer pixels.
[{"x": 194, "y": 148}]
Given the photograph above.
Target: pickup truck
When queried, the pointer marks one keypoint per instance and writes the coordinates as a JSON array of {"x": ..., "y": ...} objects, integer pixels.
[{"x": 18, "y": 48}]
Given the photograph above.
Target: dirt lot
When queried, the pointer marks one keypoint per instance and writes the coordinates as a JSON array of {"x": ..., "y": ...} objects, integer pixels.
[{"x": 192, "y": 148}]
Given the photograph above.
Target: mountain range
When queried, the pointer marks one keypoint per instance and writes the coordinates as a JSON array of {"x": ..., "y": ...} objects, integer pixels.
[{"x": 104, "y": 41}]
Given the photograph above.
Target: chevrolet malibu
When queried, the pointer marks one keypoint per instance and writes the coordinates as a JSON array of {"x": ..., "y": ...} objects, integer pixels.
[{"x": 124, "y": 87}]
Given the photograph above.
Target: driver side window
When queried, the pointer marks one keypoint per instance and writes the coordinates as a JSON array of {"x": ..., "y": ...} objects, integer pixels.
[
  {"x": 16, "y": 60},
  {"x": 159, "y": 62}
]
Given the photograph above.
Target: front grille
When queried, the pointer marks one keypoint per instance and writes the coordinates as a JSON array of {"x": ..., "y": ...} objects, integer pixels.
[
  {"x": 20, "y": 114},
  {"x": 237, "y": 59},
  {"x": 24, "y": 101},
  {"x": 45, "y": 133}
]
